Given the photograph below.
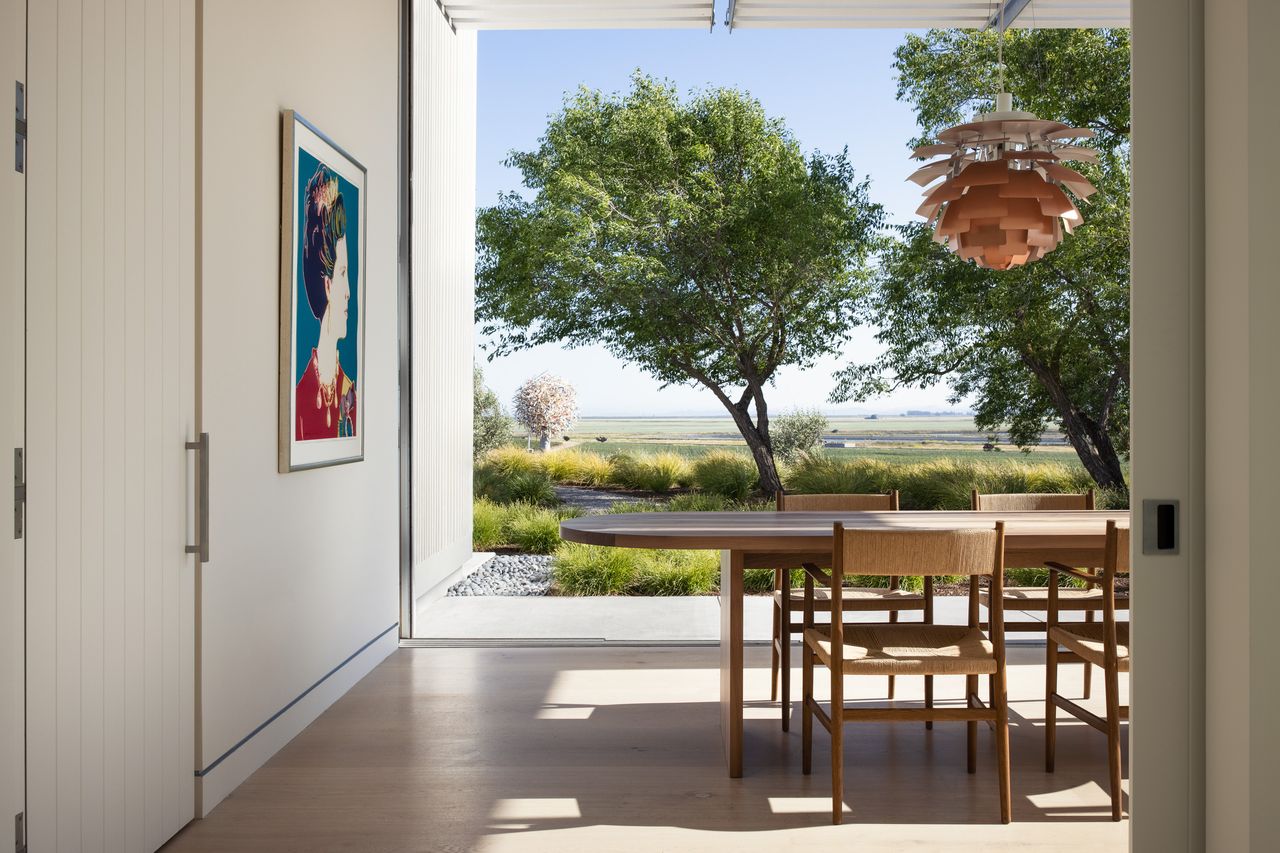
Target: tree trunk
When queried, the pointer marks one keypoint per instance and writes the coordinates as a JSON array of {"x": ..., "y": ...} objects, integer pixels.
[
  {"x": 760, "y": 446},
  {"x": 1091, "y": 442},
  {"x": 544, "y": 442}
]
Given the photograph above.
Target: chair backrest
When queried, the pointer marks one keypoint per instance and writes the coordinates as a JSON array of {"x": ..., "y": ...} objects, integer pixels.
[
  {"x": 921, "y": 553},
  {"x": 1116, "y": 555},
  {"x": 837, "y": 503},
  {"x": 918, "y": 552},
  {"x": 1033, "y": 502}
]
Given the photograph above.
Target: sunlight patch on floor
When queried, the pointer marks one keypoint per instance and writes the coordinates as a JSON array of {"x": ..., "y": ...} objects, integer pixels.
[{"x": 536, "y": 808}]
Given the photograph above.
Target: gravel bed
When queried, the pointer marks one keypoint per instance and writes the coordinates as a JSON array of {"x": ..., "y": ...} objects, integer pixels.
[
  {"x": 591, "y": 500},
  {"x": 507, "y": 574}
]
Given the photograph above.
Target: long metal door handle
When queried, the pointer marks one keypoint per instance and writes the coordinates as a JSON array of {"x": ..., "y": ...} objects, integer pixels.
[{"x": 201, "y": 548}]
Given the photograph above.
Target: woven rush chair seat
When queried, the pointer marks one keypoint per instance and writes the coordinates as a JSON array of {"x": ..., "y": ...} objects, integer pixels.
[
  {"x": 890, "y": 599},
  {"x": 1031, "y": 599},
  {"x": 850, "y": 649},
  {"x": 1037, "y": 598},
  {"x": 861, "y": 598},
  {"x": 908, "y": 649},
  {"x": 1088, "y": 642}
]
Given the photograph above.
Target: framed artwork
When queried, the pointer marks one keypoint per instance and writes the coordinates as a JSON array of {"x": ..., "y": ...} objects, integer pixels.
[{"x": 322, "y": 276}]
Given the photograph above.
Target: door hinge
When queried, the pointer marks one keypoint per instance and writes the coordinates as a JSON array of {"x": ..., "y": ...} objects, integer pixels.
[
  {"x": 20, "y": 833},
  {"x": 19, "y": 126},
  {"x": 19, "y": 492}
]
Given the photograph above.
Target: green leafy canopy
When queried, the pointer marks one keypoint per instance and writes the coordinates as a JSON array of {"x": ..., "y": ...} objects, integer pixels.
[
  {"x": 1040, "y": 346},
  {"x": 690, "y": 237}
]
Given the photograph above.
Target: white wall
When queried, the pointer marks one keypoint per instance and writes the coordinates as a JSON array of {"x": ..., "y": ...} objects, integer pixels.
[
  {"x": 1242, "y": 312},
  {"x": 444, "y": 87},
  {"x": 1167, "y": 734},
  {"x": 304, "y": 567}
]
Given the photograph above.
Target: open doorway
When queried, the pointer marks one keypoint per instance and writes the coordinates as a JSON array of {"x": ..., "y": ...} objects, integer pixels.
[{"x": 602, "y": 433}]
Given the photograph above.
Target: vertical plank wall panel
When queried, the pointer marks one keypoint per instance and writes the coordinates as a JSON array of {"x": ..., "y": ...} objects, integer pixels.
[
  {"x": 115, "y": 275},
  {"x": 13, "y": 57},
  {"x": 92, "y": 372},
  {"x": 111, "y": 376},
  {"x": 443, "y": 245},
  {"x": 41, "y": 529},
  {"x": 133, "y": 440}
]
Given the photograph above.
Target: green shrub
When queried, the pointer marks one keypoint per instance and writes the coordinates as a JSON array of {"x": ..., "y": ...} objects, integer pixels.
[
  {"x": 513, "y": 475},
  {"x": 661, "y": 472},
  {"x": 577, "y": 467},
  {"x": 760, "y": 581},
  {"x": 591, "y": 570},
  {"x": 820, "y": 474},
  {"x": 797, "y": 432},
  {"x": 530, "y": 528},
  {"x": 487, "y": 523},
  {"x": 634, "y": 506},
  {"x": 536, "y": 530},
  {"x": 700, "y": 502},
  {"x": 514, "y": 460},
  {"x": 534, "y": 487},
  {"x": 721, "y": 472},
  {"x": 491, "y": 426},
  {"x": 930, "y": 485},
  {"x": 622, "y": 469}
]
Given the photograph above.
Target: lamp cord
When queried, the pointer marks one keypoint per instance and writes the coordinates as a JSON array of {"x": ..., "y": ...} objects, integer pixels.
[{"x": 1000, "y": 47}]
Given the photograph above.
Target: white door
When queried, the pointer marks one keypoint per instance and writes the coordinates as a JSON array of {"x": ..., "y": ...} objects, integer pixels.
[
  {"x": 13, "y": 58},
  {"x": 110, "y": 373}
]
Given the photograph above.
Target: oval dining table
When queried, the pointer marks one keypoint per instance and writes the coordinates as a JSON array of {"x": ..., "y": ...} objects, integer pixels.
[{"x": 786, "y": 540}]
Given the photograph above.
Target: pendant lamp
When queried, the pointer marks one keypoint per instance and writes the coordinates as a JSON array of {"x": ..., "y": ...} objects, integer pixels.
[{"x": 1003, "y": 198}]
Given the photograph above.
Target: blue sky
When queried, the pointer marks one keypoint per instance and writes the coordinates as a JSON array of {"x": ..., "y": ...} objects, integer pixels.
[{"x": 834, "y": 88}]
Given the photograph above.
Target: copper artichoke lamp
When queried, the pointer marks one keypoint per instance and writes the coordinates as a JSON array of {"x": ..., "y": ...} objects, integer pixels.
[{"x": 1003, "y": 201}]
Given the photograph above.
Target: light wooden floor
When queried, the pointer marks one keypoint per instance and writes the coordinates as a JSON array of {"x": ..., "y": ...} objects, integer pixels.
[{"x": 618, "y": 749}]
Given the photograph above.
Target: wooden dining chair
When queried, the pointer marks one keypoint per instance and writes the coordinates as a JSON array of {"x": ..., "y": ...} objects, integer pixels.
[
  {"x": 1035, "y": 599},
  {"x": 908, "y": 648},
  {"x": 1104, "y": 644},
  {"x": 889, "y": 599}
]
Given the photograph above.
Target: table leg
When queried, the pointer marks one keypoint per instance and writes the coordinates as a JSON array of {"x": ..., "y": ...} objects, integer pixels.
[{"x": 731, "y": 563}]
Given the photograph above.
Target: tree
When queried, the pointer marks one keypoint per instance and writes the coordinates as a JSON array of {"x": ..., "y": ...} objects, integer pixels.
[
  {"x": 691, "y": 238},
  {"x": 798, "y": 432},
  {"x": 546, "y": 405},
  {"x": 1038, "y": 346},
  {"x": 491, "y": 428}
]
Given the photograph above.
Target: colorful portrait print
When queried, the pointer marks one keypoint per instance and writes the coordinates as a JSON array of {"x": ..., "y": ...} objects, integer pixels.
[{"x": 321, "y": 300}]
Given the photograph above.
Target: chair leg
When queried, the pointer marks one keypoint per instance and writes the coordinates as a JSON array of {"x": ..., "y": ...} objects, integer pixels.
[
  {"x": 784, "y": 660},
  {"x": 1088, "y": 667},
  {"x": 1050, "y": 709},
  {"x": 837, "y": 747},
  {"x": 893, "y": 618},
  {"x": 1000, "y": 701},
  {"x": 806, "y": 712},
  {"x": 970, "y": 689},
  {"x": 773, "y": 661},
  {"x": 1112, "y": 686},
  {"x": 928, "y": 698}
]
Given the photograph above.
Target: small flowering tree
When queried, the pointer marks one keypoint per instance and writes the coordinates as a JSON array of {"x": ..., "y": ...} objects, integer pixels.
[{"x": 546, "y": 405}]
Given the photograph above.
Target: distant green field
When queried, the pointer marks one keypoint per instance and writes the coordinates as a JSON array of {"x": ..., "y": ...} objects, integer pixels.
[
  {"x": 885, "y": 453},
  {"x": 887, "y": 438},
  {"x": 712, "y": 427}
]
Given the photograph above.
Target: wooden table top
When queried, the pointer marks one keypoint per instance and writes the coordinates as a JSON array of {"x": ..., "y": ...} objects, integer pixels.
[{"x": 811, "y": 531}]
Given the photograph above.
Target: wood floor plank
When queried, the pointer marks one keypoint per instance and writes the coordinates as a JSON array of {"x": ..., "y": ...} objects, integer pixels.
[{"x": 602, "y": 749}]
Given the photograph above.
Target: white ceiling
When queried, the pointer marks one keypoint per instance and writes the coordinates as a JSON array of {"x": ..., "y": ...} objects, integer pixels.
[
  {"x": 579, "y": 14},
  {"x": 777, "y": 14},
  {"x": 763, "y": 14}
]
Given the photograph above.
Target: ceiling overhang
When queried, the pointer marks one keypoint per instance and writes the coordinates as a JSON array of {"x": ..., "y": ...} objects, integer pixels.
[
  {"x": 925, "y": 14},
  {"x": 579, "y": 14}
]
